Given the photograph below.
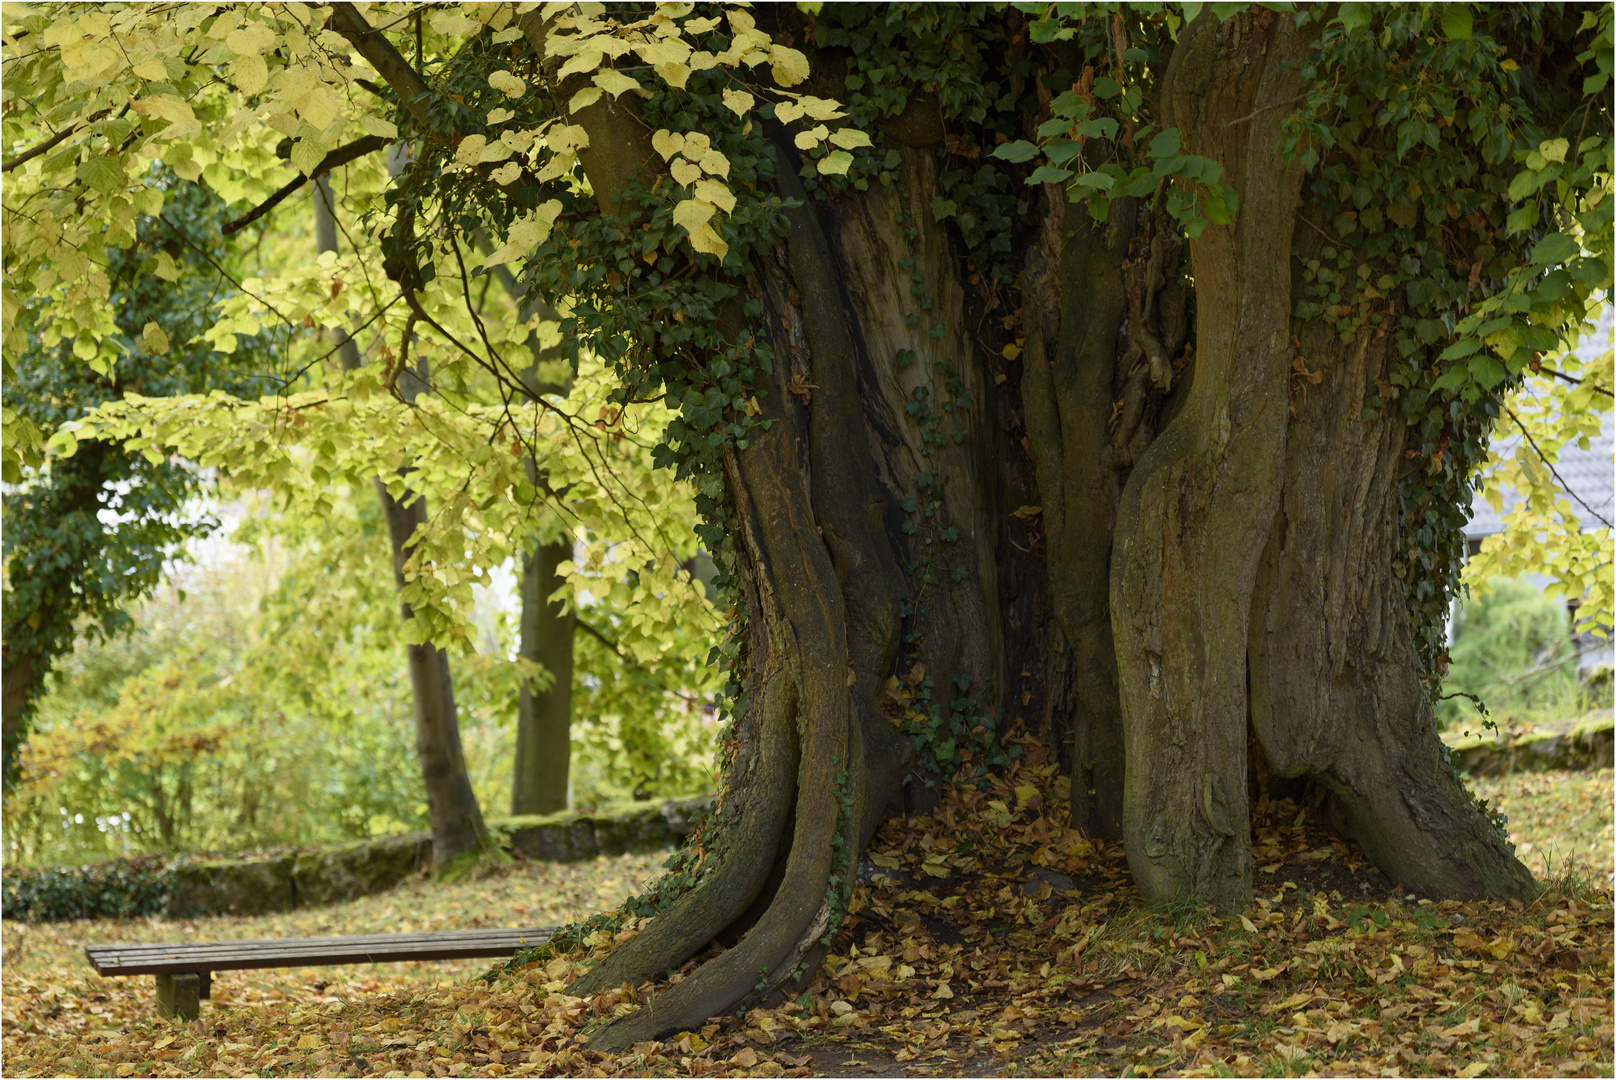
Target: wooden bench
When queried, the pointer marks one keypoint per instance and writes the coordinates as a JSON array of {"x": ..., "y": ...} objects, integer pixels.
[{"x": 185, "y": 970}]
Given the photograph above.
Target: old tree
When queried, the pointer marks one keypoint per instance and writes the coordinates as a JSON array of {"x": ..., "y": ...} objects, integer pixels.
[{"x": 1118, "y": 373}]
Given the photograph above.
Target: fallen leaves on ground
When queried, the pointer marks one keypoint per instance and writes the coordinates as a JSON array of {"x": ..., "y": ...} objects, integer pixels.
[
  {"x": 989, "y": 939},
  {"x": 1557, "y": 819}
]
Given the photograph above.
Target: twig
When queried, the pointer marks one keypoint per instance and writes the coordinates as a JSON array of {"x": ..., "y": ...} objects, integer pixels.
[
  {"x": 1552, "y": 470},
  {"x": 340, "y": 156},
  {"x": 1572, "y": 379}
]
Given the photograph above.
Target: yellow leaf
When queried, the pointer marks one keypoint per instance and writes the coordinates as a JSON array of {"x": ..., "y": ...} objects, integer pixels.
[
  {"x": 716, "y": 193},
  {"x": 164, "y": 1041},
  {"x": 1025, "y": 793},
  {"x": 1010, "y": 351},
  {"x": 820, "y": 108},
  {"x": 738, "y": 101},
  {"x": 713, "y": 161},
  {"x": 614, "y": 82},
  {"x": 942, "y": 992},
  {"x": 154, "y": 70},
  {"x": 507, "y": 84},
  {"x": 252, "y": 40},
  {"x": 807, "y": 140},
  {"x": 310, "y": 1041},
  {"x": 1509, "y": 65},
  {"x": 500, "y": 115},
  {"x": 249, "y": 71},
  {"x": 905, "y": 971},
  {"x": 849, "y": 138},
  {"x": 319, "y": 106},
  {"x": 126, "y": 1069},
  {"x": 1475, "y": 1068},
  {"x": 584, "y": 98},
  {"x": 788, "y": 66},
  {"x": 451, "y": 25},
  {"x": 154, "y": 339},
  {"x": 835, "y": 163},
  {"x": 507, "y": 173},
  {"x": 1469, "y": 1027},
  {"x": 1250, "y": 927},
  {"x": 164, "y": 108},
  {"x": 667, "y": 143},
  {"x": 675, "y": 75},
  {"x": 706, "y": 239},
  {"x": 684, "y": 172}
]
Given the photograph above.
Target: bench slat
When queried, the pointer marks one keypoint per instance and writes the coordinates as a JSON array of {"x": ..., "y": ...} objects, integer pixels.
[
  {"x": 175, "y": 957},
  {"x": 273, "y": 945}
]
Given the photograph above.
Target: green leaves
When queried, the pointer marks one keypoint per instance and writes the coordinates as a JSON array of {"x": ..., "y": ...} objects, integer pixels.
[
  {"x": 1457, "y": 23},
  {"x": 1016, "y": 152},
  {"x": 1555, "y": 248}
]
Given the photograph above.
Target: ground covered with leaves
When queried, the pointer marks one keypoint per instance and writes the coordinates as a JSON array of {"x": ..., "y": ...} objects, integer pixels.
[{"x": 988, "y": 939}]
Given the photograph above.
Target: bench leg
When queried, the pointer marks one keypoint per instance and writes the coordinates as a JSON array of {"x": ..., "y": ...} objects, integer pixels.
[{"x": 179, "y": 996}]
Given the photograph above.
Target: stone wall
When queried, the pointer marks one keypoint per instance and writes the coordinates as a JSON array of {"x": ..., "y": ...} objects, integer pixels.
[
  {"x": 1589, "y": 743},
  {"x": 349, "y": 871}
]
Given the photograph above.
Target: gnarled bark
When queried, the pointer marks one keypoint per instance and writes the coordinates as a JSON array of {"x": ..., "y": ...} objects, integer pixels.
[
  {"x": 1200, "y": 502},
  {"x": 1335, "y": 684},
  {"x": 1074, "y": 300}
]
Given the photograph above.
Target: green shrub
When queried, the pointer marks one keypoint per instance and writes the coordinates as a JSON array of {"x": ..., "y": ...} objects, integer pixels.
[
  {"x": 122, "y": 889},
  {"x": 1512, "y": 648}
]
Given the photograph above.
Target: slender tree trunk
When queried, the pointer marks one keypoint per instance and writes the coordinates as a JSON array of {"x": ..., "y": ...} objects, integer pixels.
[
  {"x": 457, "y": 821},
  {"x": 21, "y": 681},
  {"x": 541, "y": 784},
  {"x": 1199, "y": 504}
]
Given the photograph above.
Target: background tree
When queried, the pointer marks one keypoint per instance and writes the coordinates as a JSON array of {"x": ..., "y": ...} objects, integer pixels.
[
  {"x": 69, "y": 569},
  {"x": 890, "y": 333},
  {"x": 459, "y": 836}
]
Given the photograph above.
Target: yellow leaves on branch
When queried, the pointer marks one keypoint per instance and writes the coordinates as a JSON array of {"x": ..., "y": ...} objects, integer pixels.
[
  {"x": 690, "y": 158},
  {"x": 507, "y": 84},
  {"x": 531, "y": 230}
]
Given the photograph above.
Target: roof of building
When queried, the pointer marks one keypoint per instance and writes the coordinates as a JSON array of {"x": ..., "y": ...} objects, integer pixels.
[{"x": 1589, "y": 476}]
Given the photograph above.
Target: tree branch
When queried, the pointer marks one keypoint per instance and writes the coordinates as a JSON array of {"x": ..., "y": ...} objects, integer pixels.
[
  {"x": 33, "y": 152},
  {"x": 1552, "y": 470},
  {"x": 1572, "y": 379},
  {"x": 340, "y": 156},
  {"x": 387, "y": 60},
  {"x": 579, "y": 624}
]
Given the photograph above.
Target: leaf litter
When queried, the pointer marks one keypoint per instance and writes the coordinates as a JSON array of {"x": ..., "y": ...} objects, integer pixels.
[{"x": 987, "y": 939}]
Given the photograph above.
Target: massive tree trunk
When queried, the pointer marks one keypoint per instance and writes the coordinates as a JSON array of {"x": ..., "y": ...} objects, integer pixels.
[
  {"x": 1199, "y": 504},
  {"x": 458, "y": 834},
  {"x": 873, "y": 523},
  {"x": 1336, "y": 693},
  {"x": 541, "y": 773}
]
